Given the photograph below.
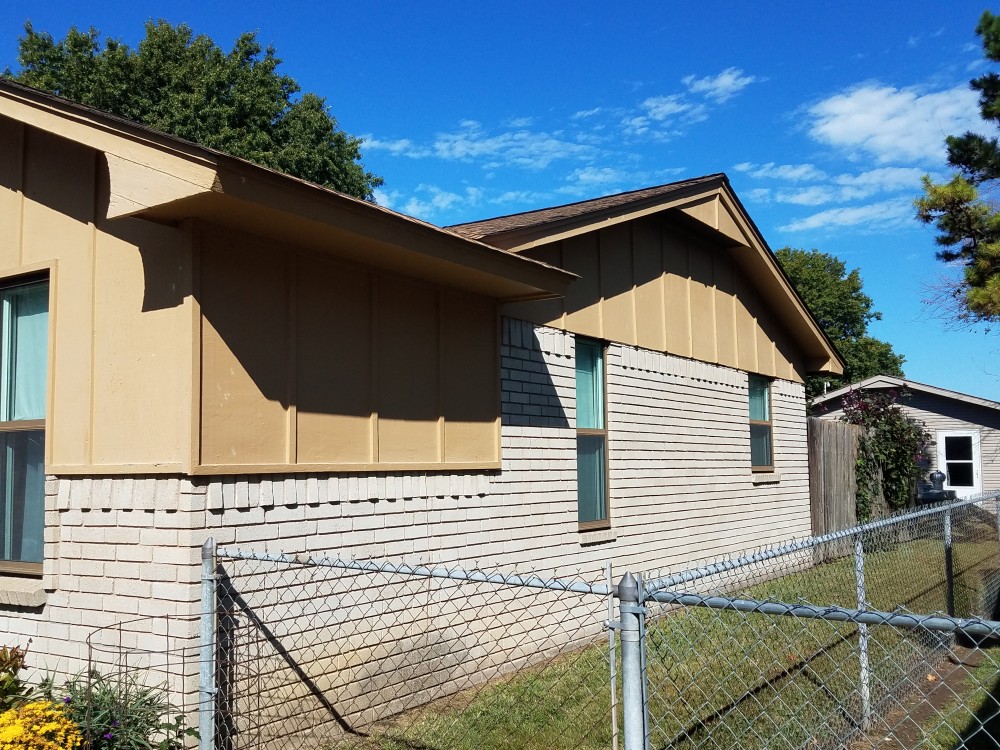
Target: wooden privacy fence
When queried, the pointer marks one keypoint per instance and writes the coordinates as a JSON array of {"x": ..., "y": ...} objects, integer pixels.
[{"x": 833, "y": 450}]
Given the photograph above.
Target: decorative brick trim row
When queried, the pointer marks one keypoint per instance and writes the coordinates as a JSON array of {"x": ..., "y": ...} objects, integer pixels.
[
  {"x": 645, "y": 360},
  {"x": 524, "y": 335},
  {"x": 310, "y": 489}
]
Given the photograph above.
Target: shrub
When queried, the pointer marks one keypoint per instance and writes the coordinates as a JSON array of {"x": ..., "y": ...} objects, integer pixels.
[
  {"x": 120, "y": 713},
  {"x": 893, "y": 452},
  {"x": 40, "y": 725}
]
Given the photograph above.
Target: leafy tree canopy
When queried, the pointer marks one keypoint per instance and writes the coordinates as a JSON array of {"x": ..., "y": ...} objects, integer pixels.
[
  {"x": 186, "y": 85},
  {"x": 836, "y": 299},
  {"x": 967, "y": 221}
]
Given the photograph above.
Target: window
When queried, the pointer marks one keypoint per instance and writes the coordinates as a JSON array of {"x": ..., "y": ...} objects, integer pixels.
[
  {"x": 591, "y": 436},
  {"x": 24, "y": 327},
  {"x": 761, "y": 452}
]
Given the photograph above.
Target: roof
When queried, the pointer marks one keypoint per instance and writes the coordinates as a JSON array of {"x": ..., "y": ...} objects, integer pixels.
[
  {"x": 888, "y": 381},
  {"x": 160, "y": 177},
  {"x": 540, "y": 217}
]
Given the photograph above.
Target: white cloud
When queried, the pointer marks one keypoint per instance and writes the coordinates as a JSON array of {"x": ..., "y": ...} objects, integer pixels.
[
  {"x": 385, "y": 198},
  {"x": 720, "y": 88},
  {"x": 673, "y": 107},
  {"x": 433, "y": 200},
  {"x": 791, "y": 172},
  {"x": 521, "y": 196},
  {"x": 399, "y": 147},
  {"x": 893, "y": 124},
  {"x": 635, "y": 126},
  {"x": 815, "y": 195},
  {"x": 585, "y": 113},
  {"x": 519, "y": 122},
  {"x": 594, "y": 181},
  {"x": 883, "y": 179},
  {"x": 884, "y": 213},
  {"x": 598, "y": 175},
  {"x": 521, "y": 148}
]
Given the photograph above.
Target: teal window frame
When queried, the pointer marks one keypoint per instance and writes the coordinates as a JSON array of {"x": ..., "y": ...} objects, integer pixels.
[
  {"x": 593, "y": 508},
  {"x": 24, "y": 347},
  {"x": 761, "y": 423}
]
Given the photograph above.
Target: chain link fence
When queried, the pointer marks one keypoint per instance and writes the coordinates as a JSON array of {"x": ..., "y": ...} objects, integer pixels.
[
  {"x": 879, "y": 636},
  {"x": 331, "y": 653}
]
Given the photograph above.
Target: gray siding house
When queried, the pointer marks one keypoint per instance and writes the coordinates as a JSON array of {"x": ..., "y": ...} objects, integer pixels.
[{"x": 965, "y": 429}]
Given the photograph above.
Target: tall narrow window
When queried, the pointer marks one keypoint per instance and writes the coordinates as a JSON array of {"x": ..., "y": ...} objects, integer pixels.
[
  {"x": 761, "y": 452},
  {"x": 591, "y": 435},
  {"x": 24, "y": 326}
]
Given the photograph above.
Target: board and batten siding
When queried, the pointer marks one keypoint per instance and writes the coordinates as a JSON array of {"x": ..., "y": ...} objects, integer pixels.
[
  {"x": 326, "y": 366},
  {"x": 121, "y": 312},
  {"x": 652, "y": 284},
  {"x": 188, "y": 348}
]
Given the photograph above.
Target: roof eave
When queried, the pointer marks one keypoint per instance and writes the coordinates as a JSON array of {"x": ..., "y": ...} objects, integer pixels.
[{"x": 156, "y": 176}]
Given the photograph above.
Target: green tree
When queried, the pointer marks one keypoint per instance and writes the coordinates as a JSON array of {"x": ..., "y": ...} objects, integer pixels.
[
  {"x": 186, "y": 85},
  {"x": 837, "y": 301},
  {"x": 967, "y": 220}
]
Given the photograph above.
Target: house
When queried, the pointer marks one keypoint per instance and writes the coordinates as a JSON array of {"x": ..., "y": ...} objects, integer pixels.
[
  {"x": 965, "y": 429},
  {"x": 197, "y": 346}
]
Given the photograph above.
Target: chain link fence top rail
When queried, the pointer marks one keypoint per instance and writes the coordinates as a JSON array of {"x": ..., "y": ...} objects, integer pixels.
[
  {"x": 329, "y": 653},
  {"x": 875, "y": 637}
]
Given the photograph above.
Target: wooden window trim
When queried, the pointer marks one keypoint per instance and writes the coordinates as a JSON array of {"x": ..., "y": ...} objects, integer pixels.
[
  {"x": 769, "y": 423},
  {"x": 605, "y": 523},
  {"x": 33, "y": 274},
  {"x": 21, "y": 568}
]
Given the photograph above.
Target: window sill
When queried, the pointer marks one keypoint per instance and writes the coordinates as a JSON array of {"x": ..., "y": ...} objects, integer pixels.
[
  {"x": 765, "y": 477},
  {"x": 597, "y": 536},
  {"x": 21, "y": 592}
]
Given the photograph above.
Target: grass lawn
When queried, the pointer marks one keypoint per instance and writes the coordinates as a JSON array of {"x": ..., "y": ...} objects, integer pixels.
[{"x": 725, "y": 679}]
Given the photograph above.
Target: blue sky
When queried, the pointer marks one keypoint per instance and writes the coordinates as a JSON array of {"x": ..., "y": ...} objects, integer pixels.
[{"x": 823, "y": 115}]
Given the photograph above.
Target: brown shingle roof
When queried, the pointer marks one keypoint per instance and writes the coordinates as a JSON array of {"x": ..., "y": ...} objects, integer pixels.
[{"x": 477, "y": 230}]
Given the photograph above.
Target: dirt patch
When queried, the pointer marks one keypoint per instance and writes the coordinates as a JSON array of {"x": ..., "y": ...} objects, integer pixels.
[{"x": 914, "y": 715}]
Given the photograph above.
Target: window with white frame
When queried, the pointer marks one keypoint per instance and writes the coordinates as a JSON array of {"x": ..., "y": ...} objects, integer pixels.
[
  {"x": 24, "y": 326},
  {"x": 591, "y": 435},
  {"x": 761, "y": 432}
]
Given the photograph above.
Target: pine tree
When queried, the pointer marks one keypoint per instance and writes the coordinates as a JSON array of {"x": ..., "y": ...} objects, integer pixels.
[{"x": 967, "y": 221}]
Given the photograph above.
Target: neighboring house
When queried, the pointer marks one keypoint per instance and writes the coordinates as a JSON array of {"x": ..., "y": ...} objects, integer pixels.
[
  {"x": 196, "y": 346},
  {"x": 965, "y": 429}
]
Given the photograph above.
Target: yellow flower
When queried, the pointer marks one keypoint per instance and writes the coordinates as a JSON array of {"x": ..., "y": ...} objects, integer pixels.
[{"x": 41, "y": 725}]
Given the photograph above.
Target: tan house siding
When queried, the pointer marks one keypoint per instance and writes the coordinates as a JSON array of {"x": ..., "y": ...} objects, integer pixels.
[
  {"x": 314, "y": 365},
  {"x": 121, "y": 310},
  {"x": 654, "y": 284}
]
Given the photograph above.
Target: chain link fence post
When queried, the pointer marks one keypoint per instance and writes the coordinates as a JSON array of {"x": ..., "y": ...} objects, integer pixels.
[
  {"x": 865, "y": 672},
  {"x": 996, "y": 514},
  {"x": 949, "y": 570},
  {"x": 206, "y": 670},
  {"x": 633, "y": 709}
]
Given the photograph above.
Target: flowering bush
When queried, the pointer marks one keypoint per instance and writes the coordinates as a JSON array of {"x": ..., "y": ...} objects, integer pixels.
[
  {"x": 41, "y": 725},
  {"x": 893, "y": 453},
  {"x": 120, "y": 713}
]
